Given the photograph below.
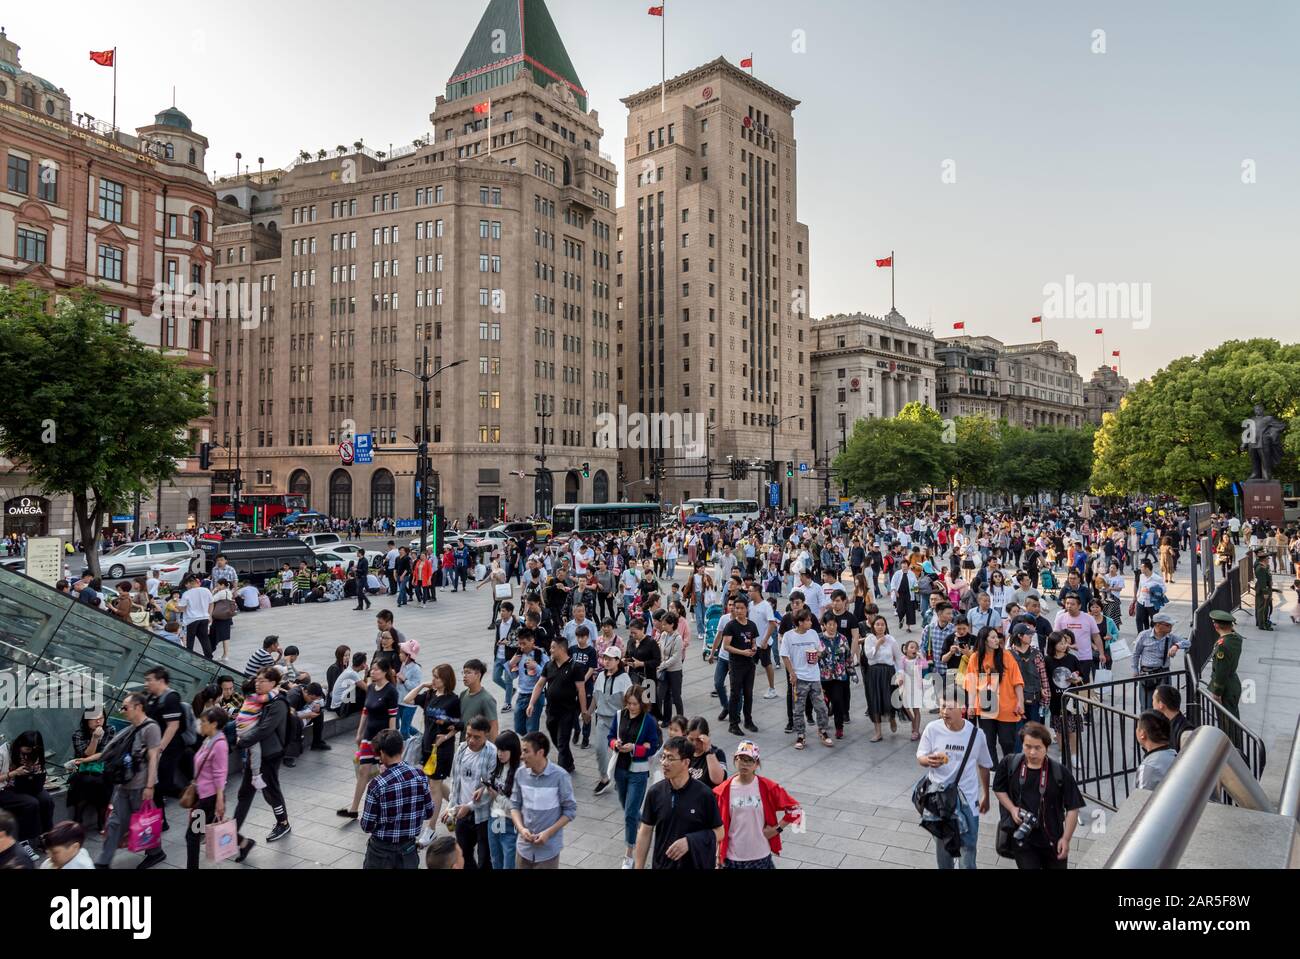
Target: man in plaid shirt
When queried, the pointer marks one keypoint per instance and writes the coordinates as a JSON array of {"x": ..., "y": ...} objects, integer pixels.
[
  {"x": 933, "y": 636},
  {"x": 397, "y": 805}
]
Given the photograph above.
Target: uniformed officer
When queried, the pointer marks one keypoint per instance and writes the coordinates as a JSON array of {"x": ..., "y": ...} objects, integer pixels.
[
  {"x": 1225, "y": 687},
  {"x": 1263, "y": 593}
]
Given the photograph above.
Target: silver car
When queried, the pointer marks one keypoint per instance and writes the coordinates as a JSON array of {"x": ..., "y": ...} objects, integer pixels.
[{"x": 134, "y": 559}]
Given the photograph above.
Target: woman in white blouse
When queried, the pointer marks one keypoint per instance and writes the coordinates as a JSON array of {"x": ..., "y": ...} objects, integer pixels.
[
  {"x": 999, "y": 592},
  {"x": 884, "y": 663}
]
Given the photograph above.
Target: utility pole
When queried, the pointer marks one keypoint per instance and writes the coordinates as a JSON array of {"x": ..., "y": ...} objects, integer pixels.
[
  {"x": 543, "y": 474},
  {"x": 844, "y": 445},
  {"x": 826, "y": 470}
]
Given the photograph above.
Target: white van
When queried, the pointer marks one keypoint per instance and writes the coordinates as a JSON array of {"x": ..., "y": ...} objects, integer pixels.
[{"x": 317, "y": 540}]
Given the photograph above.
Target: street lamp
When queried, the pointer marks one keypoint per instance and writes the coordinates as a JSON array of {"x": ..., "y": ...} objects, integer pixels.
[
  {"x": 773, "y": 423},
  {"x": 543, "y": 474},
  {"x": 422, "y": 465},
  {"x": 708, "y": 462}
]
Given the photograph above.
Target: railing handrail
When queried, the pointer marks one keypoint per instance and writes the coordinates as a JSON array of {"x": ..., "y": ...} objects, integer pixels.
[
  {"x": 1289, "y": 801},
  {"x": 1162, "y": 830}
]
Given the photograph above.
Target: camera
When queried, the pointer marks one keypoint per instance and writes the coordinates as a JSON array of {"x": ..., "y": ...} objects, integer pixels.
[{"x": 1027, "y": 825}]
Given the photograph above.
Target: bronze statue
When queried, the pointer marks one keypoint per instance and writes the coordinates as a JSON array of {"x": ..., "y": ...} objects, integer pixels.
[{"x": 1262, "y": 436}]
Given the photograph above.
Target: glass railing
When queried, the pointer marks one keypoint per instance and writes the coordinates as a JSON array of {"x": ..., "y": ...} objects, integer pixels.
[{"x": 59, "y": 656}]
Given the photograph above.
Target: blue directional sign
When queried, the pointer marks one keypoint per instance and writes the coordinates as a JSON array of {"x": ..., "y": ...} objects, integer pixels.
[
  {"x": 774, "y": 494},
  {"x": 803, "y": 467},
  {"x": 364, "y": 447},
  {"x": 408, "y": 524}
]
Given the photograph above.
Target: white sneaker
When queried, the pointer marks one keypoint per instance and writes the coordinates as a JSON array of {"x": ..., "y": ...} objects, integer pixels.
[
  {"x": 426, "y": 836},
  {"x": 628, "y": 863},
  {"x": 259, "y": 782},
  {"x": 771, "y": 694}
]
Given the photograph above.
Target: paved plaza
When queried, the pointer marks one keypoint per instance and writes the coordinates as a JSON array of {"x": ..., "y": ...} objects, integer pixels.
[{"x": 856, "y": 795}]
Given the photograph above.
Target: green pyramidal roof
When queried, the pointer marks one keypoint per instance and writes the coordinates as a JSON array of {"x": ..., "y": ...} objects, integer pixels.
[{"x": 514, "y": 32}]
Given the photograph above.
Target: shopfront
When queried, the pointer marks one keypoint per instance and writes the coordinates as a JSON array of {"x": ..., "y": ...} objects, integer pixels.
[{"x": 28, "y": 515}]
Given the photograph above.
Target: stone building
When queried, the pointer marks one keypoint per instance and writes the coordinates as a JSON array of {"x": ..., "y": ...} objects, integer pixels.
[{"x": 1103, "y": 393}]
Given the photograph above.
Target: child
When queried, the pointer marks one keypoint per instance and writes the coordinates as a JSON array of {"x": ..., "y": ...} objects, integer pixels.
[
  {"x": 245, "y": 720},
  {"x": 911, "y": 685},
  {"x": 287, "y": 665},
  {"x": 64, "y": 843}
]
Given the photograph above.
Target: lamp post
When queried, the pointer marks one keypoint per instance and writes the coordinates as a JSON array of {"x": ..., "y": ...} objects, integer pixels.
[
  {"x": 708, "y": 462},
  {"x": 844, "y": 445},
  {"x": 543, "y": 474},
  {"x": 422, "y": 463},
  {"x": 773, "y": 422}
]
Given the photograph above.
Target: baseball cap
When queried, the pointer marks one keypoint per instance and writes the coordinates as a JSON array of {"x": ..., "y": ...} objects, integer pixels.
[
  {"x": 1023, "y": 629},
  {"x": 747, "y": 747},
  {"x": 612, "y": 650}
]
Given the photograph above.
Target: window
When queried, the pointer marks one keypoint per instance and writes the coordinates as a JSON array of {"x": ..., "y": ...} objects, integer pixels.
[
  {"x": 110, "y": 263},
  {"x": 110, "y": 202},
  {"x": 31, "y": 245},
  {"x": 47, "y": 183},
  {"x": 19, "y": 169}
]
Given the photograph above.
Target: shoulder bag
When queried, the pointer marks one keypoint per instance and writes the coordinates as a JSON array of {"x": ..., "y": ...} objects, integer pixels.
[
  {"x": 937, "y": 802},
  {"x": 190, "y": 797},
  {"x": 1005, "y": 844}
]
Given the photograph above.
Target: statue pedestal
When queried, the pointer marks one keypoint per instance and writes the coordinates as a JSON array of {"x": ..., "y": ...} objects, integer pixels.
[{"x": 1262, "y": 500}]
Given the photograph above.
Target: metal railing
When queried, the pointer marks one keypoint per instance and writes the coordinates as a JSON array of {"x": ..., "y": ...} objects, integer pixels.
[
  {"x": 1289, "y": 803},
  {"x": 1227, "y": 597},
  {"x": 1162, "y": 830}
]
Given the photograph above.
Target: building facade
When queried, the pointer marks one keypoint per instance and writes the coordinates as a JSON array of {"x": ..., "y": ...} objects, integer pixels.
[
  {"x": 488, "y": 242},
  {"x": 84, "y": 205},
  {"x": 968, "y": 379},
  {"x": 866, "y": 367},
  {"x": 712, "y": 299},
  {"x": 1041, "y": 386},
  {"x": 1103, "y": 393}
]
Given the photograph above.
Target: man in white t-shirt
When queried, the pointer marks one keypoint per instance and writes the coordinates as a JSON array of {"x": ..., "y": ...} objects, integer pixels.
[
  {"x": 766, "y": 619},
  {"x": 248, "y": 598},
  {"x": 196, "y": 602},
  {"x": 812, "y": 595},
  {"x": 943, "y": 745},
  {"x": 152, "y": 583},
  {"x": 800, "y": 651}
]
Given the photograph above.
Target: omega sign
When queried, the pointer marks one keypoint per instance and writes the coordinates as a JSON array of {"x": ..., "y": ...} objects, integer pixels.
[{"x": 26, "y": 507}]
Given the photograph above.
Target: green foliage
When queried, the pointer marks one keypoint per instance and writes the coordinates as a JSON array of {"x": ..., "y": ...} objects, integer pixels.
[
  {"x": 89, "y": 410},
  {"x": 885, "y": 457},
  {"x": 1179, "y": 433}
]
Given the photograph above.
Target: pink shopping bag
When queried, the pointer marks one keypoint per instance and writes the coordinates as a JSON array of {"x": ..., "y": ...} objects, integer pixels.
[
  {"x": 146, "y": 828},
  {"x": 221, "y": 840}
]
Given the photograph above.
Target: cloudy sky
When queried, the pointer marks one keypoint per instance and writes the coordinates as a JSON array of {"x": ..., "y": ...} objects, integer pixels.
[{"x": 994, "y": 147}]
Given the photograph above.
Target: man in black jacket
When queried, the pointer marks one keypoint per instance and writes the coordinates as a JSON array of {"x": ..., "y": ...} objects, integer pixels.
[
  {"x": 271, "y": 731},
  {"x": 362, "y": 571}
]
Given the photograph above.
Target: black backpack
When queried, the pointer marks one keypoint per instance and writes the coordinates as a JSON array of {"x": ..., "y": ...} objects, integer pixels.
[{"x": 119, "y": 756}]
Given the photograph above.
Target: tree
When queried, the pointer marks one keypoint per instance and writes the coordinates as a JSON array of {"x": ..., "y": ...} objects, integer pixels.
[
  {"x": 974, "y": 455},
  {"x": 1180, "y": 432},
  {"x": 340, "y": 149},
  {"x": 304, "y": 156},
  {"x": 90, "y": 411},
  {"x": 886, "y": 457},
  {"x": 320, "y": 154}
]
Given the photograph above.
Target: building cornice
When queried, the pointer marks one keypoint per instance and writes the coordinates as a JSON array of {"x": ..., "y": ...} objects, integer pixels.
[{"x": 721, "y": 65}]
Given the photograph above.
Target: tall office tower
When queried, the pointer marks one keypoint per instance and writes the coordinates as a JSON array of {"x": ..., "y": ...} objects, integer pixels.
[
  {"x": 711, "y": 286},
  {"x": 488, "y": 240}
]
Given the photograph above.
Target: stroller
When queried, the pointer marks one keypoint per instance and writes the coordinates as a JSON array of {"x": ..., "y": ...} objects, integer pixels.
[
  {"x": 1050, "y": 586},
  {"x": 711, "y": 617}
]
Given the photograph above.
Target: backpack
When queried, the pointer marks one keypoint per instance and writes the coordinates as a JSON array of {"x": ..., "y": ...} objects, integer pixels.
[
  {"x": 189, "y": 725},
  {"x": 119, "y": 756}
]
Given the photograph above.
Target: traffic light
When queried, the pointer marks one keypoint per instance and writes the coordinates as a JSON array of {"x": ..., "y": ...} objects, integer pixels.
[
  {"x": 742, "y": 470},
  {"x": 586, "y": 470},
  {"x": 789, "y": 468},
  {"x": 205, "y": 456}
]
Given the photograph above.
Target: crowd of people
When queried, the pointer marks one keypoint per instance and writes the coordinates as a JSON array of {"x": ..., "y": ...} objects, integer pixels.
[{"x": 985, "y": 621}]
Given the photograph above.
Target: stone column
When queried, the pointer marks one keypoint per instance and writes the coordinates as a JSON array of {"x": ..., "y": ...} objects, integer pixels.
[{"x": 886, "y": 396}]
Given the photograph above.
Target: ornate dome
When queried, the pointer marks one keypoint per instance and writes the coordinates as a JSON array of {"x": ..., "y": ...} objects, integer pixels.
[{"x": 171, "y": 117}]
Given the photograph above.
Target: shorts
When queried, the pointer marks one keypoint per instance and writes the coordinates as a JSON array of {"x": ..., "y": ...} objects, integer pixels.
[
  {"x": 765, "y": 656},
  {"x": 366, "y": 754}
]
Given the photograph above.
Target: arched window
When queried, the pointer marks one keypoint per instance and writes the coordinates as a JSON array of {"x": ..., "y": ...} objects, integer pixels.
[
  {"x": 341, "y": 494},
  {"x": 196, "y": 226},
  {"x": 169, "y": 151},
  {"x": 192, "y": 511},
  {"x": 300, "y": 485},
  {"x": 29, "y": 98},
  {"x": 600, "y": 487},
  {"x": 572, "y": 487},
  {"x": 194, "y": 157},
  {"x": 543, "y": 497},
  {"x": 381, "y": 494}
]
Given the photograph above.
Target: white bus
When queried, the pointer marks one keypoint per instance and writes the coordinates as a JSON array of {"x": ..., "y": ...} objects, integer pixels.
[
  {"x": 582, "y": 518},
  {"x": 730, "y": 509}
]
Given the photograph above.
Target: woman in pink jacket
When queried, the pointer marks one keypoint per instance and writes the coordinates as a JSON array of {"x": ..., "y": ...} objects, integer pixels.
[{"x": 211, "y": 767}]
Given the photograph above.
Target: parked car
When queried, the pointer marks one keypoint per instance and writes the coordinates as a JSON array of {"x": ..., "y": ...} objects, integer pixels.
[
  {"x": 133, "y": 559},
  {"x": 258, "y": 558},
  {"x": 314, "y": 540},
  {"x": 544, "y": 531},
  {"x": 350, "y": 552},
  {"x": 454, "y": 540}
]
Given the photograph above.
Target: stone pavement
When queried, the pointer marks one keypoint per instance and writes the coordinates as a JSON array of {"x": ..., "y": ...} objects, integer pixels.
[{"x": 856, "y": 795}]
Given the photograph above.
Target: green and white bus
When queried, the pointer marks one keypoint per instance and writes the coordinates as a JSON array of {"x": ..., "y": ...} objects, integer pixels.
[
  {"x": 728, "y": 509},
  {"x": 584, "y": 518}
]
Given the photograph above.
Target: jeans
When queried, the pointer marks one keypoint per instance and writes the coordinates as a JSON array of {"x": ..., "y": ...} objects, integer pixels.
[
  {"x": 524, "y": 723},
  {"x": 501, "y": 676},
  {"x": 405, "y": 719},
  {"x": 1033, "y": 714},
  {"x": 125, "y": 803},
  {"x": 720, "y": 680},
  {"x": 391, "y": 855},
  {"x": 631, "y": 789},
  {"x": 969, "y": 824},
  {"x": 501, "y": 842},
  {"x": 699, "y": 617}
]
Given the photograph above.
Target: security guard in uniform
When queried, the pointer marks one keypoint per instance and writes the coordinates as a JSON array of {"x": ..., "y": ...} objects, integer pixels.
[
  {"x": 1263, "y": 593},
  {"x": 1224, "y": 684}
]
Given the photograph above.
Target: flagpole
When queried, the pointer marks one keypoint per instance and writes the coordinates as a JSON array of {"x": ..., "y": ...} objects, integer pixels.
[
  {"x": 115, "y": 94},
  {"x": 1041, "y": 324},
  {"x": 892, "y": 266},
  {"x": 751, "y": 63},
  {"x": 663, "y": 56},
  {"x": 489, "y": 126}
]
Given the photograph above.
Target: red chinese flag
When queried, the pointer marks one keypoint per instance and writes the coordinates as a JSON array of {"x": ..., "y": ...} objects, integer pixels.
[
  {"x": 1035, "y": 319},
  {"x": 748, "y": 62},
  {"x": 656, "y": 11},
  {"x": 887, "y": 261},
  {"x": 481, "y": 107},
  {"x": 1098, "y": 332},
  {"x": 103, "y": 58},
  {"x": 959, "y": 326}
]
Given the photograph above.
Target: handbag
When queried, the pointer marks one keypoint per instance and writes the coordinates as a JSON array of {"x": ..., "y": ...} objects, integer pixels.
[
  {"x": 145, "y": 828},
  {"x": 937, "y": 802},
  {"x": 502, "y": 591},
  {"x": 223, "y": 609},
  {"x": 190, "y": 795},
  {"x": 221, "y": 840}
]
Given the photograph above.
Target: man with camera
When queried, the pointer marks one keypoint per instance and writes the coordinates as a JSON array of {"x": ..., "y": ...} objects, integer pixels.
[
  {"x": 1040, "y": 804},
  {"x": 950, "y": 747}
]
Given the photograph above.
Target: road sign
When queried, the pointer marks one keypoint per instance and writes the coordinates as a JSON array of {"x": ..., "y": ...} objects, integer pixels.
[
  {"x": 346, "y": 452},
  {"x": 408, "y": 524},
  {"x": 803, "y": 467},
  {"x": 1200, "y": 517},
  {"x": 774, "y": 494},
  {"x": 44, "y": 559},
  {"x": 364, "y": 448}
]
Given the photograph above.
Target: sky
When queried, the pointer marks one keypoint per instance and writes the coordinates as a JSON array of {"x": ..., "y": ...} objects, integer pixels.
[{"x": 998, "y": 149}]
